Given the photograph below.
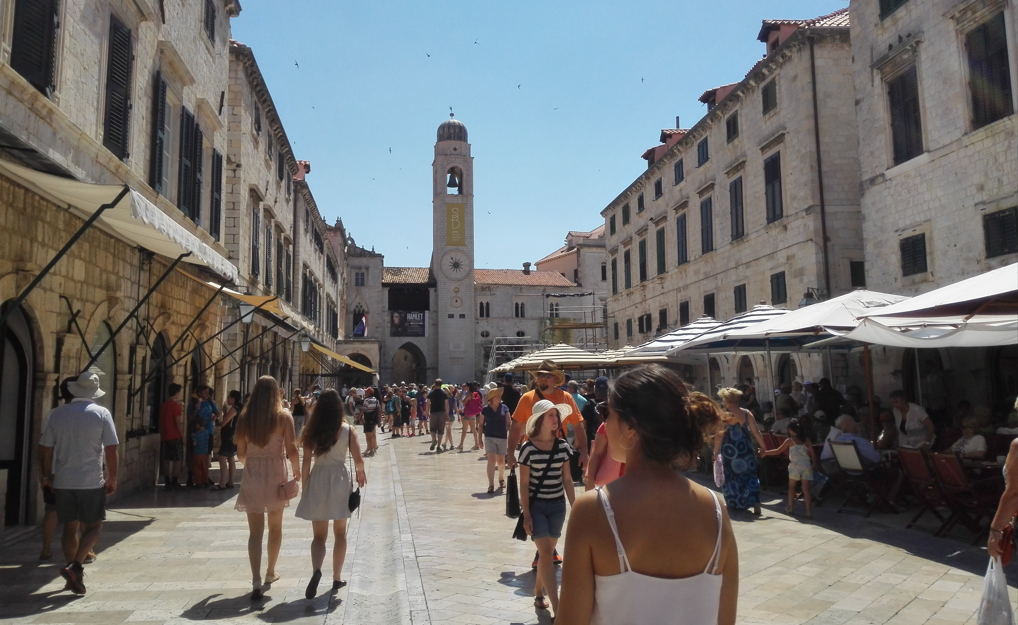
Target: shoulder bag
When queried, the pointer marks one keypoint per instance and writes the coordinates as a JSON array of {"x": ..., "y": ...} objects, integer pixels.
[
  {"x": 288, "y": 490},
  {"x": 355, "y": 495},
  {"x": 520, "y": 533}
]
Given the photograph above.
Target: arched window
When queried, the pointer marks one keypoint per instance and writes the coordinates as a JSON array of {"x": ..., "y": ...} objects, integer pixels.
[
  {"x": 519, "y": 310},
  {"x": 105, "y": 366},
  {"x": 484, "y": 309},
  {"x": 359, "y": 321}
]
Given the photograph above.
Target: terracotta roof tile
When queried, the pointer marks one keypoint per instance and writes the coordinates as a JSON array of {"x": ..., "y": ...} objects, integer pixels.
[
  {"x": 516, "y": 277},
  {"x": 837, "y": 19},
  {"x": 406, "y": 275}
]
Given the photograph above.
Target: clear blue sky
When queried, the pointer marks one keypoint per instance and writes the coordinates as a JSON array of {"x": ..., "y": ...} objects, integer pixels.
[{"x": 560, "y": 100}]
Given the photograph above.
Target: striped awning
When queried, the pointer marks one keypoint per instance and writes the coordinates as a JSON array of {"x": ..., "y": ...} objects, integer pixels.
[
  {"x": 718, "y": 339},
  {"x": 657, "y": 349}
]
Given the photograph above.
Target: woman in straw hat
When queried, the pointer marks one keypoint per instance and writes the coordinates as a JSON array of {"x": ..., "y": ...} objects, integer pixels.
[
  {"x": 494, "y": 422},
  {"x": 265, "y": 441},
  {"x": 541, "y": 460}
]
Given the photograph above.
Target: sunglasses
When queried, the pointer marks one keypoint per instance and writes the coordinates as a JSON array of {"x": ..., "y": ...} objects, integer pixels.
[{"x": 602, "y": 409}]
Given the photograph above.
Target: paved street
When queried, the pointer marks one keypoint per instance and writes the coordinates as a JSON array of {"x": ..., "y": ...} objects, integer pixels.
[{"x": 432, "y": 547}]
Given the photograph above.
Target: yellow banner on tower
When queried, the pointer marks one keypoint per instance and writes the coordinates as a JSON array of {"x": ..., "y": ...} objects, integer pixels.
[{"x": 455, "y": 224}]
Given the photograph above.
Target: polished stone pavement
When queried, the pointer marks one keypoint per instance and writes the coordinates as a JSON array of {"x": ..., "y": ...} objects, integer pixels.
[{"x": 430, "y": 546}]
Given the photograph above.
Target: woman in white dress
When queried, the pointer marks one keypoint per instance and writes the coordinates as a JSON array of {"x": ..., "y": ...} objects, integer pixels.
[{"x": 327, "y": 437}]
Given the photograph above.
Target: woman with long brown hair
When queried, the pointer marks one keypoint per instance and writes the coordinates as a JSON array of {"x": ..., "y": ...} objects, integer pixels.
[
  {"x": 327, "y": 438},
  {"x": 265, "y": 441}
]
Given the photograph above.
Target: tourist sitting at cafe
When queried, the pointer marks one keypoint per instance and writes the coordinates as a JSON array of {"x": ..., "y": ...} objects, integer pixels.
[
  {"x": 915, "y": 428},
  {"x": 849, "y": 433},
  {"x": 780, "y": 426},
  {"x": 970, "y": 445}
]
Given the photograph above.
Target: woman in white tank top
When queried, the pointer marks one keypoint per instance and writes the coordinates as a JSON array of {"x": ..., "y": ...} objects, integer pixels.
[{"x": 652, "y": 547}]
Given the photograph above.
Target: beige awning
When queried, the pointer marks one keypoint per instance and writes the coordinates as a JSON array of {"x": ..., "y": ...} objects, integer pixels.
[
  {"x": 343, "y": 359},
  {"x": 134, "y": 218},
  {"x": 268, "y": 303}
]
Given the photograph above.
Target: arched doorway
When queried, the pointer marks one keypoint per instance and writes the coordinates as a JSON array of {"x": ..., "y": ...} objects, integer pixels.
[
  {"x": 105, "y": 367},
  {"x": 746, "y": 370},
  {"x": 355, "y": 377},
  {"x": 787, "y": 371},
  {"x": 409, "y": 365},
  {"x": 713, "y": 376},
  {"x": 158, "y": 382},
  {"x": 16, "y": 383}
]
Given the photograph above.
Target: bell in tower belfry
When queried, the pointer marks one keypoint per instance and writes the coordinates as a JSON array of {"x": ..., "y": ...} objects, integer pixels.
[{"x": 454, "y": 183}]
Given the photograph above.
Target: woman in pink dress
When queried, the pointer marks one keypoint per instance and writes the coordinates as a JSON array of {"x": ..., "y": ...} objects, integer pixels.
[{"x": 265, "y": 441}]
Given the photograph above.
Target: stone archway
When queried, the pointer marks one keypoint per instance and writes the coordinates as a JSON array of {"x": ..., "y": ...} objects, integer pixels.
[
  {"x": 17, "y": 366},
  {"x": 409, "y": 365},
  {"x": 787, "y": 371},
  {"x": 746, "y": 370}
]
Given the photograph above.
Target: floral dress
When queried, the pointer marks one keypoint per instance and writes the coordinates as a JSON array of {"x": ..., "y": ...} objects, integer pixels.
[{"x": 742, "y": 484}]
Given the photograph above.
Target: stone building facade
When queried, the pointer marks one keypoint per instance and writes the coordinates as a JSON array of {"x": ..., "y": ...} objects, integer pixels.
[
  {"x": 446, "y": 320},
  {"x": 938, "y": 156},
  {"x": 733, "y": 211},
  {"x": 134, "y": 95}
]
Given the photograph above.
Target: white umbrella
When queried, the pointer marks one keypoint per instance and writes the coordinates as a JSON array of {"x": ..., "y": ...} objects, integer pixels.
[
  {"x": 720, "y": 339},
  {"x": 991, "y": 295},
  {"x": 657, "y": 349},
  {"x": 972, "y": 334}
]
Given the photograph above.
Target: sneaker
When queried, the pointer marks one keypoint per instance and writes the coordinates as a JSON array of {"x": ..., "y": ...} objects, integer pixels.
[
  {"x": 75, "y": 576},
  {"x": 556, "y": 558},
  {"x": 433, "y": 445}
]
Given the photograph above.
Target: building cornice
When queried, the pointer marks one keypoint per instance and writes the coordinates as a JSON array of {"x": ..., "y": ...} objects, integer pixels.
[{"x": 261, "y": 92}]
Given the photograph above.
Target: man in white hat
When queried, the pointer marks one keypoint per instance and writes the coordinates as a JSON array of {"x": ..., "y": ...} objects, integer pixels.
[
  {"x": 77, "y": 437},
  {"x": 549, "y": 379}
]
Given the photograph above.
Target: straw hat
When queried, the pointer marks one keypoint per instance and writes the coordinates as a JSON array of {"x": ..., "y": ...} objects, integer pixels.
[
  {"x": 550, "y": 367},
  {"x": 86, "y": 386},
  {"x": 491, "y": 391},
  {"x": 543, "y": 406}
]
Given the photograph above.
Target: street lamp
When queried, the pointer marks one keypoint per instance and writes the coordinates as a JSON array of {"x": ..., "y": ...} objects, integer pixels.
[
  {"x": 305, "y": 342},
  {"x": 811, "y": 296},
  {"x": 246, "y": 312}
]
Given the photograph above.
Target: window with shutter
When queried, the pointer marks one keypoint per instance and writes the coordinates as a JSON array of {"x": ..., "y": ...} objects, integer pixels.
[
  {"x": 769, "y": 97},
  {"x": 678, "y": 171},
  {"x": 257, "y": 119},
  {"x": 34, "y": 43},
  {"x": 887, "y": 7},
  {"x": 268, "y": 147},
  {"x": 643, "y": 260},
  {"x": 639, "y": 203},
  {"x": 702, "y": 152},
  {"x": 118, "y": 90},
  {"x": 627, "y": 269},
  {"x": 615, "y": 330},
  {"x": 732, "y": 127},
  {"x": 683, "y": 313},
  {"x": 280, "y": 283},
  {"x": 706, "y": 226},
  {"x": 658, "y": 189},
  {"x": 661, "y": 260},
  {"x": 772, "y": 188},
  {"x": 913, "y": 255},
  {"x": 1001, "y": 232},
  {"x": 629, "y": 328},
  {"x": 280, "y": 165},
  {"x": 216, "y": 200},
  {"x": 906, "y": 126},
  {"x": 185, "y": 168},
  {"x": 680, "y": 235},
  {"x": 289, "y": 275},
  {"x": 268, "y": 254},
  {"x": 779, "y": 295},
  {"x": 157, "y": 172},
  {"x": 708, "y": 304},
  {"x": 740, "y": 298},
  {"x": 735, "y": 200},
  {"x": 611, "y": 225},
  {"x": 625, "y": 214},
  {"x": 857, "y": 271},
  {"x": 198, "y": 168},
  {"x": 989, "y": 72},
  {"x": 256, "y": 232},
  {"x": 210, "y": 20},
  {"x": 615, "y": 276},
  {"x": 662, "y": 318}
]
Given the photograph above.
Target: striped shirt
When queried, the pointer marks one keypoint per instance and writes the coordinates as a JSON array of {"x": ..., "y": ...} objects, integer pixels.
[{"x": 541, "y": 462}]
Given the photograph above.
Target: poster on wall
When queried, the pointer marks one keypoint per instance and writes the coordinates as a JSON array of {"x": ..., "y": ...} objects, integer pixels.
[{"x": 408, "y": 323}]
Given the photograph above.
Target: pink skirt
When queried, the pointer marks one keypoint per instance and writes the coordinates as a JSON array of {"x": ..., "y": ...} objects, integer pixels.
[{"x": 259, "y": 486}]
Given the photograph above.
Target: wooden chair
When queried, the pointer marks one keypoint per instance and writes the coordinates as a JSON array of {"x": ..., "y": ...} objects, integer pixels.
[
  {"x": 969, "y": 500},
  {"x": 914, "y": 462},
  {"x": 859, "y": 478},
  {"x": 773, "y": 469}
]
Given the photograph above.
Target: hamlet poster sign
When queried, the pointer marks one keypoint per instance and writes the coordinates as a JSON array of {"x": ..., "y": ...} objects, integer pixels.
[{"x": 408, "y": 323}]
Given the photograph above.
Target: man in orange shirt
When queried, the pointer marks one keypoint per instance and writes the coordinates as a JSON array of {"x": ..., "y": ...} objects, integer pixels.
[{"x": 549, "y": 378}]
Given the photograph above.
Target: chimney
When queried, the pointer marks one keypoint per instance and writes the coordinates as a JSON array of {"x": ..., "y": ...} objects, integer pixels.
[
  {"x": 526, "y": 269},
  {"x": 677, "y": 126},
  {"x": 303, "y": 168}
]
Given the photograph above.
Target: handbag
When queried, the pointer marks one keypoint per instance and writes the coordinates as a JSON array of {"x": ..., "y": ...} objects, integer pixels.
[
  {"x": 512, "y": 496},
  {"x": 719, "y": 471},
  {"x": 1007, "y": 543},
  {"x": 354, "y": 501},
  {"x": 520, "y": 533},
  {"x": 288, "y": 490}
]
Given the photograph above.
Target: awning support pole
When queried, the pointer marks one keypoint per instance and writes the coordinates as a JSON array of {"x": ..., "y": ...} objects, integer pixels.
[
  {"x": 274, "y": 324},
  {"x": 193, "y": 321},
  {"x": 74, "y": 320},
  {"x": 770, "y": 375},
  {"x": 141, "y": 302},
  {"x": 918, "y": 377},
  {"x": 67, "y": 246},
  {"x": 868, "y": 361},
  {"x": 275, "y": 343}
]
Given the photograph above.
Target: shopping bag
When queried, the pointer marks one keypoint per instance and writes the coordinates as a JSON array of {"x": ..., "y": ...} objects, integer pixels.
[
  {"x": 519, "y": 533},
  {"x": 719, "y": 472},
  {"x": 995, "y": 606},
  {"x": 819, "y": 481},
  {"x": 512, "y": 496}
]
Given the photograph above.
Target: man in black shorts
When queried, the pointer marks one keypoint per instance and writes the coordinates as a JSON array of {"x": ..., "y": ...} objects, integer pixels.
[
  {"x": 438, "y": 416},
  {"x": 77, "y": 438}
]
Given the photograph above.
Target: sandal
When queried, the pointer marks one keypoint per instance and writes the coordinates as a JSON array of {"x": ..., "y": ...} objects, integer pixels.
[
  {"x": 218, "y": 487},
  {"x": 491, "y": 490},
  {"x": 501, "y": 484},
  {"x": 540, "y": 603},
  {"x": 272, "y": 578}
]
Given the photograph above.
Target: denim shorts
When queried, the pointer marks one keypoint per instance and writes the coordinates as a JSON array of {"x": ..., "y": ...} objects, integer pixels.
[{"x": 548, "y": 516}]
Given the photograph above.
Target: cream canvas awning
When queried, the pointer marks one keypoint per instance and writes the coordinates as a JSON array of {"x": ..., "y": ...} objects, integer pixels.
[
  {"x": 342, "y": 359},
  {"x": 134, "y": 218}
]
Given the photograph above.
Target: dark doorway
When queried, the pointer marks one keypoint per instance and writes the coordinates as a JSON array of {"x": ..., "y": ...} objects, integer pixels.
[
  {"x": 16, "y": 382},
  {"x": 787, "y": 370},
  {"x": 409, "y": 365}
]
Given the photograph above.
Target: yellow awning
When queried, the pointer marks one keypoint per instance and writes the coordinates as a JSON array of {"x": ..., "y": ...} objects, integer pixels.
[
  {"x": 268, "y": 303},
  {"x": 343, "y": 359}
]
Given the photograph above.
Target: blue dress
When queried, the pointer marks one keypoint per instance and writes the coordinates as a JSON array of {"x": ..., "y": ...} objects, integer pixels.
[{"x": 742, "y": 485}]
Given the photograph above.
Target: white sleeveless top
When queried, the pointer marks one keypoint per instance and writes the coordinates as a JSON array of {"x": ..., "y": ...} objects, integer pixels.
[{"x": 630, "y": 598}]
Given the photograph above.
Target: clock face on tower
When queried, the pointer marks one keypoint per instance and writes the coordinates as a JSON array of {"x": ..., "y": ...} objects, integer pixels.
[{"x": 455, "y": 265}]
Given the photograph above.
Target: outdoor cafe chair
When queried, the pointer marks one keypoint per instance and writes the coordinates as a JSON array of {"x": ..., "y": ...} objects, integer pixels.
[
  {"x": 915, "y": 464},
  {"x": 969, "y": 500},
  {"x": 773, "y": 469},
  {"x": 860, "y": 479}
]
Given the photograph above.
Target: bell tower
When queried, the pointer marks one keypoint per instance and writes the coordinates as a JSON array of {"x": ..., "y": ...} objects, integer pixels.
[{"x": 452, "y": 259}]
